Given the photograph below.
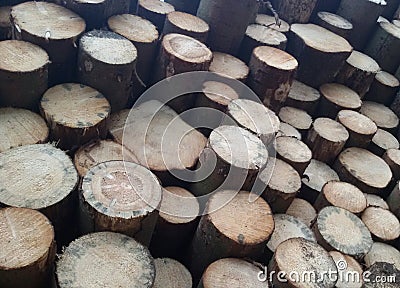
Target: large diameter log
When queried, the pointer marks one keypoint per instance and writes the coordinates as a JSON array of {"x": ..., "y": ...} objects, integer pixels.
[
  {"x": 5, "y": 23},
  {"x": 222, "y": 14},
  {"x": 27, "y": 238},
  {"x": 303, "y": 97},
  {"x": 383, "y": 88},
  {"x": 383, "y": 116},
  {"x": 394, "y": 201},
  {"x": 229, "y": 66},
  {"x": 269, "y": 21},
  {"x": 112, "y": 259},
  {"x": 382, "y": 252},
  {"x": 155, "y": 11},
  {"x": 272, "y": 73},
  {"x": 294, "y": 11},
  {"x": 22, "y": 64},
  {"x": 171, "y": 274},
  {"x": 351, "y": 267},
  {"x": 382, "y": 223},
  {"x": 106, "y": 62},
  {"x": 334, "y": 23},
  {"x": 57, "y": 33},
  {"x": 382, "y": 141},
  {"x": 302, "y": 210},
  {"x": 188, "y": 6},
  {"x": 186, "y": 24},
  {"x": 306, "y": 44},
  {"x": 381, "y": 270}
]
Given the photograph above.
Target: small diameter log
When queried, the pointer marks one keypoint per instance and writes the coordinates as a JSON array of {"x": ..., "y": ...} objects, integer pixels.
[
  {"x": 383, "y": 116},
  {"x": 232, "y": 272},
  {"x": 334, "y": 23},
  {"x": 317, "y": 47},
  {"x": 271, "y": 76},
  {"x": 347, "y": 265},
  {"x": 302, "y": 210},
  {"x": 188, "y": 6},
  {"x": 341, "y": 230},
  {"x": 229, "y": 66},
  {"x": 288, "y": 130},
  {"x": 326, "y": 139},
  {"x": 343, "y": 195},
  {"x": 259, "y": 35},
  {"x": 392, "y": 158},
  {"x": 394, "y": 200},
  {"x": 269, "y": 21},
  {"x": 155, "y": 11},
  {"x": 21, "y": 127},
  {"x": 384, "y": 46},
  {"x": 176, "y": 223},
  {"x": 336, "y": 97},
  {"x": 303, "y": 97},
  {"x": 358, "y": 73},
  {"x": 383, "y": 88},
  {"x": 361, "y": 128},
  {"x": 85, "y": 119},
  {"x": 383, "y": 224},
  {"x": 300, "y": 257},
  {"x": 297, "y": 118},
  {"x": 382, "y": 252},
  {"x": 383, "y": 141},
  {"x": 57, "y": 33},
  {"x": 317, "y": 174},
  {"x": 171, "y": 274},
  {"x": 22, "y": 64},
  {"x": 112, "y": 259},
  {"x": 5, "y": 23},
  {"x": 186, "y": 24},
  {"x": 106, "y": 62},
  {"x": 382, "y": 270},
  {"x": 293, "y": 151},
  {"x": 232, "y": 227},
  {"x": 122, "y": 197},
  {"x": 294, "y": 11},
  {"x": 376, "y": 201}
]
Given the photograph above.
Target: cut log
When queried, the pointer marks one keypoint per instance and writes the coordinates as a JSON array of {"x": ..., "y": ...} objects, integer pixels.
[
  {"x": 106, "y": 62},
  {"x": 383, "y": 141},
  {"x": 112, "y": 259},
  {"x": 293, "y": 151},
  {"x": 323, "y": 5},
  {"x": 376, "y": 201},
  {"x": 188, "y": 6},
  {"x": 186, "y": 24},
  {"x": 326, "y": 139},
  {"x": 363, "y": 169},
  {"x": 392, "y": 158},
  {"x": 229, "y": 66},
  {"x": 222, "y": 14},
  {"x": 382, "y": 271},
  {"x": 383, "y": 224},
  {"x": 336, "y": 97},
  {"x": 317, "y": 174},
  {"x": 171, "y": 274},
  {"x": 232, "y": 227},
  {"x": 122, "y": 197},
  {"x": 5, "y": 23},
  {"x": 155, "y": 11},
  {"x": 384, "y": 46},
  {"x": 85, "y": 119},
  {"x": 27, "y": 239},
  {"x": 297, "y": 118},
  {"x": 302, "y": 210},
  {"x": 22, "y": 64},
  {"x": 271, "y": 76},
  {"x": 396, "y": 22},
  {"x": 303, "y": 97},
  {"x": 383, "y": 88},
  {"x": 347, "y": 265},
  {"x": 269, "y": 21},
  {"x": 259, "y": 35},
  {"x": 294, "y": 11},
  {"x": 317, "y": 47},
  {"x": 341, "y": 230},
  {"x": 358, "y": 73},
  {"x": 301, "y": 257},
  {"x": 288, "y": 130},
  {"x": 343, "y": 195},
  {"x": 334, "y": 23},
  {"x": 381, "y": 115},
  {"x": 55, "y": 29},
  {"x": 21, "y": 127},
  {"x": 382, "y": 252},
  {"x": 361, "y": 128},
  {"x": 394, "y": 199},
  {"x": 382, "y": 19}
]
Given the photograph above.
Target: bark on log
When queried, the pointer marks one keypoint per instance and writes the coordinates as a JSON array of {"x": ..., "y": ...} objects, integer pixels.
[
  {"x": 294, "y": 11},
  {"x": 383, "y": 224},
  {"x": 186, "y": 24},
  {"x": 5, "y": 23},
  {"x": 382, "y": 271},
  {"x": 382, "y": 141},
  {"x": 269, "y": 21},
  {"x": 323, "y": 5},
  {"x": 303, "y": 97},
  {"x": 392, "y": 158},
  {"x": 383, "y": 116},
  {"x": 229, "y": 66},
  {"x": 352, "y": 267},
  {"x": 334, "y": 23},
  {"x": 382, "y": 252},
  {"x": 171, "y": 274},
  {"x": 288, "y": 130},
  {"x": 302, "y": 210},
  {"x": 155, "y": 11},
  {"x": 383, "y": 88},
  {"x": 188, "y": 6},
  {"x": 395, "y": 106},
  {"x": 393, "y": 200}
]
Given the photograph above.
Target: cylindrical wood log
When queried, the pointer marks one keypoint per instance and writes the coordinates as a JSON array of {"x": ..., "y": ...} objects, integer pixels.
[
  {"x": 112, "y": 259},
  {"x": 21, "y": 127},
  {"x": 186, "y": 24},
  {"x": 382, "y": 141},
  {"x": 343, "y": 195},
  {"x": 323, "y": 5},
  {"x": 106, "y": 62},
  {"x": 222, "y": 14},
  {"x": 176, "y": 223},
  {"x": 229, "y": 66},
  {"x": 122, "y": 197},
  {"x": 312, "y": 53},
  {"x": 326, "y": 139},
  {"x": 84, "y": 120},
  {"x": 21, "y": 65},
  {"x": 294, "y": 11},
  {"x": 383, "y": 116},
  {"x": 302, "y": 210},
  {"x": 358, "y": 73},
  {"x": 259, "y": 35},
  {"x": 5, "y": 23},
  {"x": 271, "y": 76},
  {"x": 155, "y": 11},
  {"x": 288, "y": 130},
  {"x": 188, "y": 6},
  {"x": 379, "y": 271},
  {"x": 317, "y": 174},
  {"x": 338, "y": 229},
  {"x": 382, "y": 252},
  {"x": 361, "y": 129},
  {"x": 297, "y": 118},
  {"x": 393, "y": 200},
  {"x": 303, "y": 97},
  {"x": 382, "y": 19},
  {"x": 171, "y": 274},
  {"x": 300, "y": 256},
  {"x": 392, "y": 158},
  {"x": 27, "y": 238},
  {"x": 336, "y": 97},
  {"x": 334, "y": 23},
  {"x": 383, "y": 224},
  {"x": 383, "y": 89},
  {"x": 227, "y": 231},
  {"x": 55, "y": 29},
  {"x": 384, "y": 46},
  {"x": 293, "y": 151},
  {"x": 376, "y": 201},
  {"x": 396, "y": 22},
  {"x": 351, "y": 272},
  {"x": 269, "y": 21}
]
